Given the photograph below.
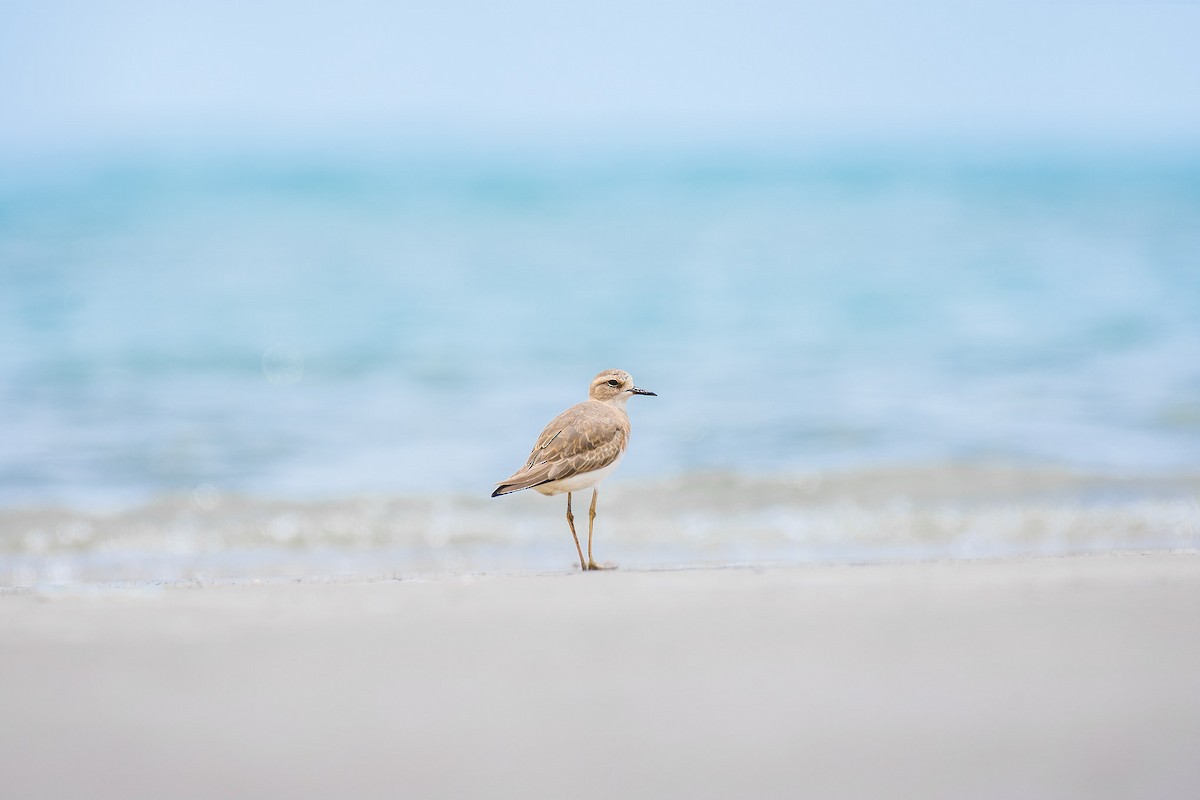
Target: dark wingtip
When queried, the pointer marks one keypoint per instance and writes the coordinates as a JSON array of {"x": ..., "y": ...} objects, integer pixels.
[{"x": 509, "y": 488}]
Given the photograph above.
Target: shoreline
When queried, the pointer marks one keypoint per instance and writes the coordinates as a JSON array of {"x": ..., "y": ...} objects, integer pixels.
[
  {"x": 880, "y": 515},
  {"x": 436, "y": 575},
  {"x": 1036, "y": 676}
]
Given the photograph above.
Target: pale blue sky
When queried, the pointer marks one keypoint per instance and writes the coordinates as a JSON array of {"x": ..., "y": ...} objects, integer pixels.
[{"x": 76, "y": 73}]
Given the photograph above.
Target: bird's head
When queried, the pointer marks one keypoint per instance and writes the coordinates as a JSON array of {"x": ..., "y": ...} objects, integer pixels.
[{"x": 615, "y": 386}]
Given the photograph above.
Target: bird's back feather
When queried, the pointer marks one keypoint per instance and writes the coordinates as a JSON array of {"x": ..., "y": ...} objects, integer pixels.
[{"x": 586, "y": 437}]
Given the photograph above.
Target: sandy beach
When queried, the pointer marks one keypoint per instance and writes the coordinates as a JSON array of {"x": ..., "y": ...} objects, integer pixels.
[{"x": 1032, "y": 677}]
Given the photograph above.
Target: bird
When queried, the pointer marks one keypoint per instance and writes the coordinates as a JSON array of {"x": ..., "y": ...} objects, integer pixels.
[{"x": 579, "y": 448}]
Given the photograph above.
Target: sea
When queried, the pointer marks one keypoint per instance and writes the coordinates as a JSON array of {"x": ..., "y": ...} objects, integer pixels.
[{"x": 224, "y": 365}]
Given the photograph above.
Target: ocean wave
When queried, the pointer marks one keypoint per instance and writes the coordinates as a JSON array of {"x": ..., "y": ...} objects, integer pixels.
[{"x": 946, "y": 511}]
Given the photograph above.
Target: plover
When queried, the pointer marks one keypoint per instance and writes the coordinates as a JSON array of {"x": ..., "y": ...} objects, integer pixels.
[{"x": 579, "y": 448}]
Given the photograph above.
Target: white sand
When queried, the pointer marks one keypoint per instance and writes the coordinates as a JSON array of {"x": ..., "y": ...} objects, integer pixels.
[{"x": 1055, "y": 677}]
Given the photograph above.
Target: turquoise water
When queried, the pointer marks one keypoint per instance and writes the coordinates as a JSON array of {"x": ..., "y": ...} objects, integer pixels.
[{"x": 315, "y": 327}]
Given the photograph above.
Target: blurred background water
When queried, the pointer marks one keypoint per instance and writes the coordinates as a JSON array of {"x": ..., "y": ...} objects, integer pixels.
[
  {"x": 313, "y": 327},
  {"x": 313, "y": 253}
]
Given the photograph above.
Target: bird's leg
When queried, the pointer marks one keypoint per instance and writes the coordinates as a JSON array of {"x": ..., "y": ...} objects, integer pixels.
[
  {"x": 591, "y": 522},
  {"x": 571, "y": 522}
]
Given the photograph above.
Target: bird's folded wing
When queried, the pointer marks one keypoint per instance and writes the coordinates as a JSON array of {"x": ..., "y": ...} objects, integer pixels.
[{"x": 573, "y": 443}]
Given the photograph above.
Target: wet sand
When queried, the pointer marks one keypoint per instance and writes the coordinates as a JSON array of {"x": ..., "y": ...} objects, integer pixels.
[{"x": 1033, "y": 677}]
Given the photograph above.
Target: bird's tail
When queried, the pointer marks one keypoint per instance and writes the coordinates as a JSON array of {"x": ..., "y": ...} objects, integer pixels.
[{"x": 510, "y": 486}]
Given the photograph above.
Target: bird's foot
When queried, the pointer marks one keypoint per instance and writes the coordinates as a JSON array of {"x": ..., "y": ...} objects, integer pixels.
[{"x": 594, "y": 565}]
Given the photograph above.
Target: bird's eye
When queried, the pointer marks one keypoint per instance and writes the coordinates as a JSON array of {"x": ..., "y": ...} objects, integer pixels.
[{"x": 614, "y": 383}]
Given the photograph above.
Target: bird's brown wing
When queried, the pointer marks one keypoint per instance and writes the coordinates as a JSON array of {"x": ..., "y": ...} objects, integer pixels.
[{"x": 583, "y": 438}]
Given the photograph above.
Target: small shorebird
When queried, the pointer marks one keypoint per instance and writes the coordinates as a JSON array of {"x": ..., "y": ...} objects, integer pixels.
[{"x": 579, "y": 448}]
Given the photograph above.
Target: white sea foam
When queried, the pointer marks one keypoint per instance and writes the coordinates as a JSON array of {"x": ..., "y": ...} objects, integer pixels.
[{"x": 919, "y": 512}]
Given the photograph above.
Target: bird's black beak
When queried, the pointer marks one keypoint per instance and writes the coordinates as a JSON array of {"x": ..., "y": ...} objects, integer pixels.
[{"x": 636, "y": 390}]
